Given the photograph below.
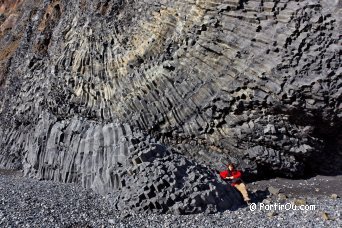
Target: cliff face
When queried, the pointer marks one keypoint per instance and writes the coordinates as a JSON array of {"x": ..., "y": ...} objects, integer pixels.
[{"x": 86, "y": 86}]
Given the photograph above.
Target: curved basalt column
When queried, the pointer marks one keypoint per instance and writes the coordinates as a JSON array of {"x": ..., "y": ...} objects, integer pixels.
[
  {"x": 134, "y": 170},
  {"x": 257, "y": 82}
]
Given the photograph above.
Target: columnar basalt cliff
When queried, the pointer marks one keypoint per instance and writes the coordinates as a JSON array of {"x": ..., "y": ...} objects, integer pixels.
[{"x": 143, "y": 98}]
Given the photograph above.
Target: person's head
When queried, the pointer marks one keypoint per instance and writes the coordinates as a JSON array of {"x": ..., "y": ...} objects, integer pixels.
[{"x": 231, "y": 167}]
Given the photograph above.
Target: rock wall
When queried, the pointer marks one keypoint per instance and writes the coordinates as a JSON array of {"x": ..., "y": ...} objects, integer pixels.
[{"x": 255, "y": 82}]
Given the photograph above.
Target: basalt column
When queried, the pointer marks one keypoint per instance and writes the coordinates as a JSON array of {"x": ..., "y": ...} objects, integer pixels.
[{"x": 142, "y": 94}]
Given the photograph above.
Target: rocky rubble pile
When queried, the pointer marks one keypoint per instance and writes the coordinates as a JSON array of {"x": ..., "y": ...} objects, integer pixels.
[
  {"x": 159, "y": 180},
  {"x": 31, "y": 203}
]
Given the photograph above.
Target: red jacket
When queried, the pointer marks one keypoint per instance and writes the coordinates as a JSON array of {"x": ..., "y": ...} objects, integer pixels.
[{"x": 236, "y": 174}]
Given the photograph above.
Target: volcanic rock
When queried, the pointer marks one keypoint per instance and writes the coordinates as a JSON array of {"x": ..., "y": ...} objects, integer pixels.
[
  {"x": 273, "y": 190},
  {"x": 104, "y": 93}
]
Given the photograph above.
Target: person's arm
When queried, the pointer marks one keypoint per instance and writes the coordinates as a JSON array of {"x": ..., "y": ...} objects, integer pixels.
[
  {"x": 223, "y": 174},
  {"x": 236, "y": 175}
]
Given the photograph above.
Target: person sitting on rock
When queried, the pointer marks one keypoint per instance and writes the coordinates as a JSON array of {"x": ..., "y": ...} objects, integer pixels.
[{"x": 234, "y": 177}]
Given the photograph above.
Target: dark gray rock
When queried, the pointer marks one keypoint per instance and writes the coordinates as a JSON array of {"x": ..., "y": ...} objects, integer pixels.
[{"x": 252, "y": 82}]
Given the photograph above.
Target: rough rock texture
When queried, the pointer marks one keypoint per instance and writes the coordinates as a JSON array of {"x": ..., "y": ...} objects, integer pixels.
[
  {"x": 25, "y": 202},
  {"x": 165, "y": 181},
  {"x": 257, "y": 82}
]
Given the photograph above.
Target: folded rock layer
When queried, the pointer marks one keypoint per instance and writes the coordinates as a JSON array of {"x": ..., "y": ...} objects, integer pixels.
[{"x": 254, "y": 82}]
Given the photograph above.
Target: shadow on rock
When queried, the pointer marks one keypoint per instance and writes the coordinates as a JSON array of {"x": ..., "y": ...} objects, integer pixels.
[{"x": 259, "y": 195}]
